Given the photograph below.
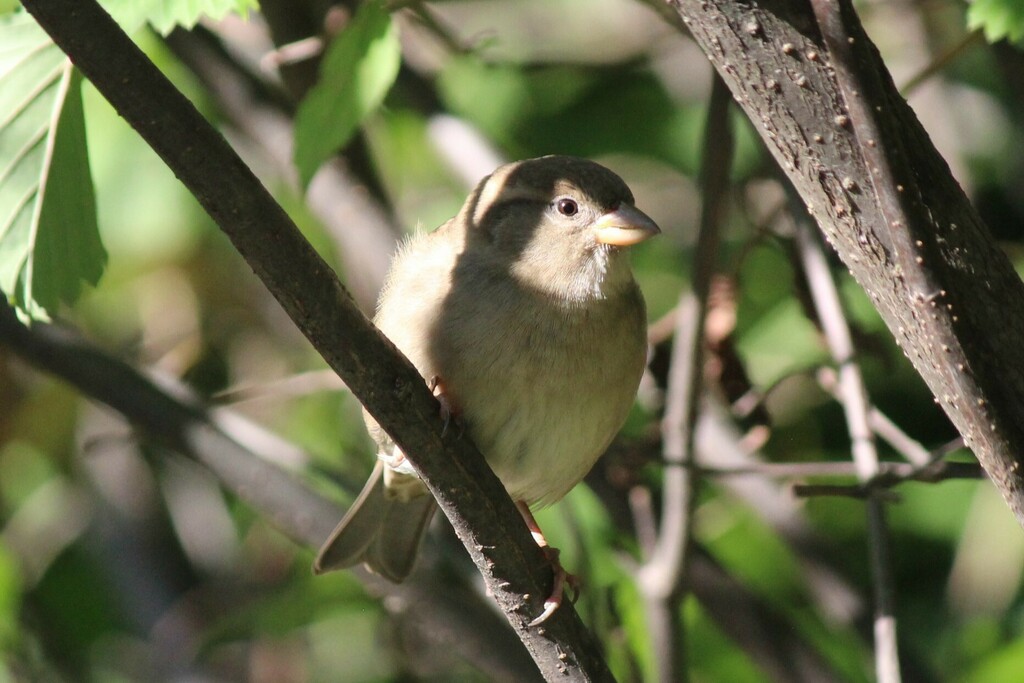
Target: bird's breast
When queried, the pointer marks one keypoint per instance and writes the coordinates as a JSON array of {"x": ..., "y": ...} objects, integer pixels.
[{"x": 544, "y": 389}]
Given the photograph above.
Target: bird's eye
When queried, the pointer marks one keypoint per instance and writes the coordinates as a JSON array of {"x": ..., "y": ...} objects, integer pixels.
[{"x": 568, "y": 207}]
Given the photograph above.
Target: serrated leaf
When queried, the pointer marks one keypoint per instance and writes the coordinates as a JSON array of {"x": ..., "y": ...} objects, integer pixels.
[
  {"x": 165, "y": 15},
  {"x": 49, "y": 238},
  {"x": 998, "y": 19},
  {"x": 357, "y": 71}
]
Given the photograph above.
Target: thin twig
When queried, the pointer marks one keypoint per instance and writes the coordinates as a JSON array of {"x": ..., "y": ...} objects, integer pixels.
[
  {"x": 299, "y": 384},
  {"x": 893, "y": 476},
  {"x": 662, "y": 577},
  {"x": 889, "y": 473},
  {"x": 856, "y": 407},
  {"x": 880, "y": 423},
  {"x": 954, "y": 51},
  {"x": 427, "y": 17}
]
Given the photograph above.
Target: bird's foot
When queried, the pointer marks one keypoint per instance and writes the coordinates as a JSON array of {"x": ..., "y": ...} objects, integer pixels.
[
  {"x": 561, "y": 578},
  {"x": 449, "y": 411},
  {"x": 396, "y": 460}
]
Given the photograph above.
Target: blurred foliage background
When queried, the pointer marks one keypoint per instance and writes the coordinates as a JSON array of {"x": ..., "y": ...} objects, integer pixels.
[{"x": 122, "y": 561}]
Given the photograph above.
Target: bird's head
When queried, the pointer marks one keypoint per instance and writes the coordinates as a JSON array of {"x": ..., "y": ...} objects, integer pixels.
[{"x": 559, "y": 225}]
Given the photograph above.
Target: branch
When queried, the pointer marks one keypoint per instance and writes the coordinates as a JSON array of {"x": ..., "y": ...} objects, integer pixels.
[
  {"x": 890, "y": 473},
  {"x": 768, "y": 637},
  {"x": 853, "y": 397},
  {"x": 514, "y": 569},
  {"x": 179, "y": 422},
  {"x": 172, "y": 417},
  {"x": 661, "y": 580},
  {"x": 861, "y": 162},
  {"x": 358, "y": 225},
  {"x": 890, "y": 477}
]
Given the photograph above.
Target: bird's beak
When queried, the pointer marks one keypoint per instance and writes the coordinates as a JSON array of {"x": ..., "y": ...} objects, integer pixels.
[{"x": 625, "y": 226}]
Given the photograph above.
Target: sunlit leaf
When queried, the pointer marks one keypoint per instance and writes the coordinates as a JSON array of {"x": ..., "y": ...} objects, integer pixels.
[
  {"x": 358, "y": 70},
  {"x": 998, "y": 18},
  {"x": 1003, "y": 664},
  {"x": 10, "y": 598},
  {"x": 49, "y": 238},
  {"x": 165, "y": 15}
]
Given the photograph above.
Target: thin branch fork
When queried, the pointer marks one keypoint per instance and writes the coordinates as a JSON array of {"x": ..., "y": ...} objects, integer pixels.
[
  {"x": 661, "y": 578},
  {"x": 853, "y": 397},
  {"x": 890, "y": 477},
  {"x": 514, "y": 569},
  {"x": 890, "y": 474},
  {"x": 881, "y": 424},
  {"x": 888, "y": 205}
]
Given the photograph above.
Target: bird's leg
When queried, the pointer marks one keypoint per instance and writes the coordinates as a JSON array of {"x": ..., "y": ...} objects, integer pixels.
[
  {"x": 449, "y": 411},
  {"x": 561, "y": 576},
  {"x": 395, "y": 459}
]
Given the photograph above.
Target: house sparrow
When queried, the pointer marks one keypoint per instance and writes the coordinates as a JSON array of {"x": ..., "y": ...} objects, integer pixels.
[{"x": 522, "y": 313}]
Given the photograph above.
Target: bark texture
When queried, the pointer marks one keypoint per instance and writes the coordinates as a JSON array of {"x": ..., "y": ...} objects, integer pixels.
[{"x": 820, "y": 96}]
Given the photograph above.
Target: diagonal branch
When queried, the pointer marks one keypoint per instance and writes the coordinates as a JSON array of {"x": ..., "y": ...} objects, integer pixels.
[
  {"x": 172, "y": 417},
  {"x": 356, "y": 222},
  {"x": 865, "y": 168},
  {"x": 483, "y": 515}
]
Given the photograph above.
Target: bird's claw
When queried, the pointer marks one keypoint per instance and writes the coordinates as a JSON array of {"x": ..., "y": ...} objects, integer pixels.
[
  {"x": 549, "y": 608},
  {"x": 561, "y": 581},
  {"x": 396, "y": 461},
  {"x": 449, "y": 412},
  {"x": 561, "y": 578}
]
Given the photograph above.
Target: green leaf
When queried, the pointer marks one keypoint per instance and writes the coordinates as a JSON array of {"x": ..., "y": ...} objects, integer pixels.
[
  {"x": 1002, "y": 664},
  {"x": 165, "y": 15},
  {"x": 357, "y": 71},
  {"x": 501, "y": 97},
  {"x": 585, "y": 111},
  {"x": 10, "y": 598},
  {"x": 49, "y": 238},
  {"x": 998, "y": 18}
]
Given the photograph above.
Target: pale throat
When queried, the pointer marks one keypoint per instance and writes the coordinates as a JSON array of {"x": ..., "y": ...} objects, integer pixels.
[
  {"x": 592, "y": 281},
  {"x": 599, "y": 274}
]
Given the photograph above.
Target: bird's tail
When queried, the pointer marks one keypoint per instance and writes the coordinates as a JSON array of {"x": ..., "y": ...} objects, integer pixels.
[{"x": 382, "y": 532}]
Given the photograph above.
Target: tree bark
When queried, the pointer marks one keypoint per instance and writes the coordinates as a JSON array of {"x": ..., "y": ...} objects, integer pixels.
[
  {"x": 819, "y": 95},
  {"x": 515, "y": 570}
]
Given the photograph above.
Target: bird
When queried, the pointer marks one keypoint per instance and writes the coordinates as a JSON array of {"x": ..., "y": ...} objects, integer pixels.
[{"x": 523, "y": 315}]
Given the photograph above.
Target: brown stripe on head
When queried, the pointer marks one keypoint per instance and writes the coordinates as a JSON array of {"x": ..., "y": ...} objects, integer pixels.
[{"x": 542, "y": 180}]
